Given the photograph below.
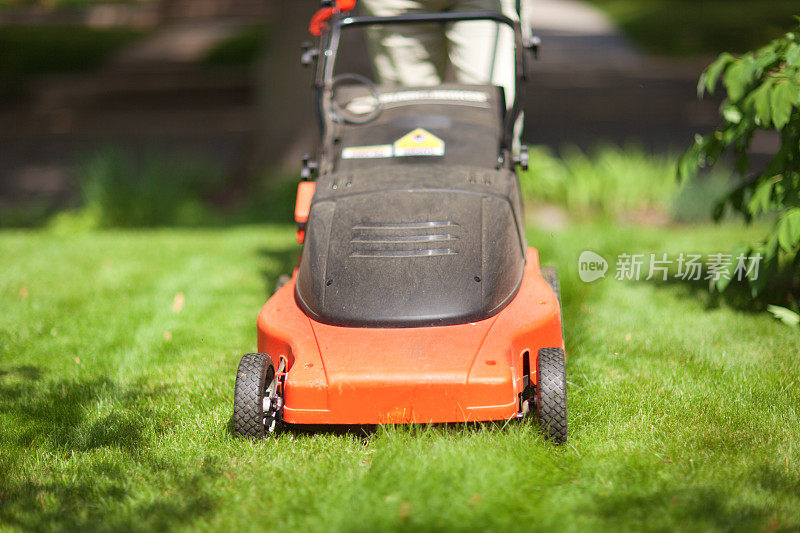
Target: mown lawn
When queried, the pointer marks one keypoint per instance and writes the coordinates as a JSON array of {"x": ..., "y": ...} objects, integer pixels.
[{"x": 117, "y": 358}]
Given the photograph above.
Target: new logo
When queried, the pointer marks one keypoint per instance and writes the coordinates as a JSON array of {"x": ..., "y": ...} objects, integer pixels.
[{"x": 591, "y": 266}]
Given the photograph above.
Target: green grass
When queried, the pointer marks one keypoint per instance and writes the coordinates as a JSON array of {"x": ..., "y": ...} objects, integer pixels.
[
  {"x": 689, "y": 27},
  {"x": 114, "y": 407},
  {"x": 613, "y": 183},
  {"x": 608, "y": 181},
  {"x": 119, "y": 190}
]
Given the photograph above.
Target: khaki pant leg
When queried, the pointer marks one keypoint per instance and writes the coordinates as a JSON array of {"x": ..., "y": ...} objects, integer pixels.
[
  {"x": 479, "y": 52},
  {"x": 483, "y": 52}
]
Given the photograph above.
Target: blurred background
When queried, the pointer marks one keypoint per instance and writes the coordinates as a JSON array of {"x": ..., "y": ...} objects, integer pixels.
[{"x": 196, "y": 112}]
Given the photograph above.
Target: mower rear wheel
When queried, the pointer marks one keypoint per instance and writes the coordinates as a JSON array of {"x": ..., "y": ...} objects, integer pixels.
[
  {"x": 253, "y": 377},
  {"x": 551, "y": 394}
]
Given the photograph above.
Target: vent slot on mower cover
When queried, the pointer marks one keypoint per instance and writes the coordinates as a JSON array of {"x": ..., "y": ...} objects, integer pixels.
[{"x": 390, "y": 247}]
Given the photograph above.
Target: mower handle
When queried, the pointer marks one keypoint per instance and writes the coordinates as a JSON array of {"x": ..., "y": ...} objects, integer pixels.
[{"x": 329, "y": 46}]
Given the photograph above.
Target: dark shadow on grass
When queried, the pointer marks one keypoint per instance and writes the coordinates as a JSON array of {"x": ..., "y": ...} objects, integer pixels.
[
  {"x": 58, "y": 419},
  {"x": 737, "y": 296},
  {"x": 361, "y": 432},
  {"x": 56, "y": 413},
  {"x": 702, "y": 508},
  {"x": 103, "y": 499},
  {"x": 708, "y": 508},
  {"x": 304, "y": 431},
  {"x": 365, "y": 432},
  {"x": 282, "y": 262},
  {"x": 778, "y": 481},
  {"x": 28, "y": 372}
]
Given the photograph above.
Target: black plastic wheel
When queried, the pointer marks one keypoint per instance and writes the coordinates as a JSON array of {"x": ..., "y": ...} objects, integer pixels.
[
  {"x": 254, "y": 374},
  {"x": 551, "y": 394}
]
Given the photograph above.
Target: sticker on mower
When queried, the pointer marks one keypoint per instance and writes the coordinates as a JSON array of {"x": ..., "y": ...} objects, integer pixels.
[
  {"x": 361, "y": 105},
  {"x": 418, "y": 143},
  {"x": 367, "y": 152}
]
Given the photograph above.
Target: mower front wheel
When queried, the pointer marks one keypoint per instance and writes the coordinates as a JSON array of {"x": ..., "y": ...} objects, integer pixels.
[
  {"x": 255, "y": 381},
  {"x": 551, "y": 394}
]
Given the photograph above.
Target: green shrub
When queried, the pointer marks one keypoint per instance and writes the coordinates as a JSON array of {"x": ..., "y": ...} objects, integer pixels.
[
  {"x": 692, "y": 27},
  {"x": 763, "y": 94},
  {"x": 118, "y": 191},
  {"x": 608, "y": 182},
  {"x": 60, "y": 4},
  {"x": 697, "y": 197},
  {"x": 27, "y": 50},
  {"x": 241, "y": 48}
]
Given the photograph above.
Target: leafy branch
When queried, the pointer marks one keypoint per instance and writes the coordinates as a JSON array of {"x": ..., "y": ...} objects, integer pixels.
[{"x": 763, "y": 93}]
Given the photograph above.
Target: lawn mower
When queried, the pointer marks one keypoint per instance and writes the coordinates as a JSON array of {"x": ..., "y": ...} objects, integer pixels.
[{"x": 416, "y": 299}]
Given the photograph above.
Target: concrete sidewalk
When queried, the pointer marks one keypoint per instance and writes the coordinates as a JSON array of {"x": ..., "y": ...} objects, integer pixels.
[{"x": 577, "y": 36}]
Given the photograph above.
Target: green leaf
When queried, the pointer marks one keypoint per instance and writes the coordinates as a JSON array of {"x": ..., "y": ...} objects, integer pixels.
[
  {"x": 765, "y": 59},
  {"x": 792, "y": 55},
  {"x": 724, "y": 281},
  {"x": 763, "y": 102},
  {"x": 738, "y": 77},
  {"x": 732, "y": 114},
  {"x": 788, "y": 229},
  {"x": 689, "y": 163},
  {"x": 766, "y": 269},
  {"x": 771, "y": 247},
  {"x": 718, "y": 210},
  {"x": 735, "y": 199},
  {"x": 710, "y": 77},
  {"x": 784, "y": 97},
  {"x": 787, "y": 316},
  {"x": 760, "y": 200}
]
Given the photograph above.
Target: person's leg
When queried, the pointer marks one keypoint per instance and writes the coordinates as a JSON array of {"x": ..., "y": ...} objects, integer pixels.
[
  {"x": 483, "y": 52},
  {"x": 410, "y": 55}
]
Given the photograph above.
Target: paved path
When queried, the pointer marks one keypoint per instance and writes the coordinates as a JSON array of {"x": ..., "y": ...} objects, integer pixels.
[
  {"x": 592, "y": 86},
  {"x": 577, "y": 36}
]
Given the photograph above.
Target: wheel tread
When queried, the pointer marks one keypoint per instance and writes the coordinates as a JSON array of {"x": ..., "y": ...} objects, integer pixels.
[
  {"x": 551, "y": 392},
  {"x": 248, "y": 417}
]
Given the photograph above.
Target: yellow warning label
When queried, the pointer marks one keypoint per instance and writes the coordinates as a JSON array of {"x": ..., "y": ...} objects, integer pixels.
[{"x": 418, "y": 142}]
